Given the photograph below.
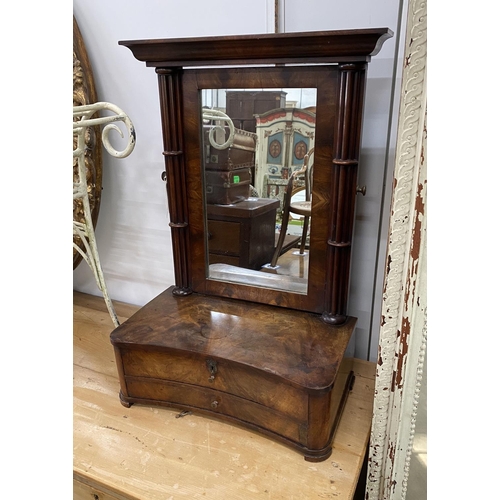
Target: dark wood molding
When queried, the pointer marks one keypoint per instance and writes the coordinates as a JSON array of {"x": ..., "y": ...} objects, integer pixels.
[
  {"x": 346, "y": 147},
  {"x": 170, "y": 88},
  {"x": 278, "y": 48}
]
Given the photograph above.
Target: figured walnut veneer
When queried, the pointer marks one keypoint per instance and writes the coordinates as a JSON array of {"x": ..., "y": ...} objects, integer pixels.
[{"x": 279, "y": 372}]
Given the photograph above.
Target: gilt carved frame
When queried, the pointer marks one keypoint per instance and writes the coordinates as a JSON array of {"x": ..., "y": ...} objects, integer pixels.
[
  {"x": 84, "y": 93},
  {"x": 403, "y": 331}
]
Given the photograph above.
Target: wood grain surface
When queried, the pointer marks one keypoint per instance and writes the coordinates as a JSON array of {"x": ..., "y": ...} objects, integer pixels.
[
  {"x": 253, "y": 335},
  {"x": 152, "y": 453}
]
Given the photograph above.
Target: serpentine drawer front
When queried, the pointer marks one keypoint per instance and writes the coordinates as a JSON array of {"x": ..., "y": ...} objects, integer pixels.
[
  {"x": 220, "y": 357},
  {"x": 224, "y": 376}
]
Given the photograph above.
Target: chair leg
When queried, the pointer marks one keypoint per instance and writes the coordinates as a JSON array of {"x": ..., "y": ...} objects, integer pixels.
[
  {"x": 90, "y": 254},
  {"x": 101, "y": 283},
  {"x": 281, "y": 239},
  {"x": 305, "y": 227}
]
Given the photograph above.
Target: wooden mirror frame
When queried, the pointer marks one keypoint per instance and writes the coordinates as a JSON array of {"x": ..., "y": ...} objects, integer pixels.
[
  {"x": 341, "y": 86},
  {"x": 324, "y": 78}
]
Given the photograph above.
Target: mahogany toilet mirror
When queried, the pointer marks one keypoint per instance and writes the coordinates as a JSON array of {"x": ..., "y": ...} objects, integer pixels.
[{"x": 212, "y": 283}]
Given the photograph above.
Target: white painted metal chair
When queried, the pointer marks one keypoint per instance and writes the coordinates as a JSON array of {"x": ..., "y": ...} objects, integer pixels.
[{"x": 82, "y": 120}]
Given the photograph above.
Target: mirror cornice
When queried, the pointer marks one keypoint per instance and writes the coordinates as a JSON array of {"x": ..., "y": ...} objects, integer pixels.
[{"x": 278, "y": 48}]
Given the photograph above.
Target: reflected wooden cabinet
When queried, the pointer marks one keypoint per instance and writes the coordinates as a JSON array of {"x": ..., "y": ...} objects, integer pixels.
[
  {"x": 260, "y": 350},
  {"x": 242, "y": 234}
]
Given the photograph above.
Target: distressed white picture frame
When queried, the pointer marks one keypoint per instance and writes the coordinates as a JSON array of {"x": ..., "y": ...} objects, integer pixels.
[{"x": 403, "y": 330}]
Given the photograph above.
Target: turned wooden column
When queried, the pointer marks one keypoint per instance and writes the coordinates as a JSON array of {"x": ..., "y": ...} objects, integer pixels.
[
  {"x": 169, "y": 84},
  {"x": 346, "y": 146}
]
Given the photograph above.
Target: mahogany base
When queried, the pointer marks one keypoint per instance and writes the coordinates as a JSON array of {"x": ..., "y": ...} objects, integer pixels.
[{"x": 280, "y": 372}]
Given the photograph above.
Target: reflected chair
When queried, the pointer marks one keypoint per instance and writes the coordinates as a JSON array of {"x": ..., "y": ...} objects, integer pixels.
[{"x": 300, "y": 180}]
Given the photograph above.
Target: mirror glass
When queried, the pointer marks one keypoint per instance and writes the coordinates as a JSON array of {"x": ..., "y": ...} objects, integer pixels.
[{"x": 258, "y": 164}]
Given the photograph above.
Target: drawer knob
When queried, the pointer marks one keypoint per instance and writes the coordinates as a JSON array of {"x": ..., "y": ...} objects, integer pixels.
[{"x": 214, "y": 404}]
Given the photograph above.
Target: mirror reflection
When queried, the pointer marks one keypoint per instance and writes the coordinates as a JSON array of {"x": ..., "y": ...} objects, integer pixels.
[{"x": 258, "y": 158}]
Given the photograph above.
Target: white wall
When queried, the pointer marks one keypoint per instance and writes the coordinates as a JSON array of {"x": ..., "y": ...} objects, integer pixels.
[{"x": 132, "y": 231}]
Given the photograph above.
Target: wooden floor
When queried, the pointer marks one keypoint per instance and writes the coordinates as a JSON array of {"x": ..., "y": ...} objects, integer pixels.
[
  {"x": 291, "y": 263},
  {"x": 144, "y": 453}
]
